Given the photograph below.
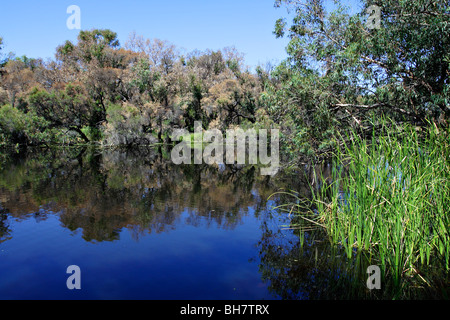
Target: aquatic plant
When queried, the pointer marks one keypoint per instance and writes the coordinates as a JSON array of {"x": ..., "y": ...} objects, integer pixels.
[{"x": 389, "y": 197}]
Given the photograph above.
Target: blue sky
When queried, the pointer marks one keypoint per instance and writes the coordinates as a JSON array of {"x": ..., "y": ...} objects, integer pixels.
[{"x": 36, "y": 28}]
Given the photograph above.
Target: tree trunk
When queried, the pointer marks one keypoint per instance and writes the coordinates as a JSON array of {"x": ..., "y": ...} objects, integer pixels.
[{"x": 81, "y": 133}]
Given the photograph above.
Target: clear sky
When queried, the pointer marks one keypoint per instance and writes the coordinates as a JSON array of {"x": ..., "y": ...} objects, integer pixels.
[{"x": 36, "y": 28}]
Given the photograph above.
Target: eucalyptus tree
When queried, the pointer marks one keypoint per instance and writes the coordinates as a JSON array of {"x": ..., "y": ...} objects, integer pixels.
[
  {"x": 343, "y": 69},
  {"x": 156, "y": 76},
  {"x": 100, "y": 64}
]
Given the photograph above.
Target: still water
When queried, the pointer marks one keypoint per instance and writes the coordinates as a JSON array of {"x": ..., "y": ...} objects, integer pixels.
[{"x": 140, "y": 227}]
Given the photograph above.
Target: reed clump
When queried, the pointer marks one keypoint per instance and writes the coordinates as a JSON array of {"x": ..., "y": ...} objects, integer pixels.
[{"x": 390, "y": 197}]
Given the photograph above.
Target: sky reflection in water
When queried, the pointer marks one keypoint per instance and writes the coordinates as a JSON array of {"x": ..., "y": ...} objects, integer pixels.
[{"x": 137, "y": 226}]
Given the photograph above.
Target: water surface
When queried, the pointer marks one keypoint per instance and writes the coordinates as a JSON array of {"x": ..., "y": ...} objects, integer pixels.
[{"x": 138, "y": 227}]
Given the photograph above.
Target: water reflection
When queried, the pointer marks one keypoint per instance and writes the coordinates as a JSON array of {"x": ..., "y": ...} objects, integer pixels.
[
  {"x": 104, "y": 192},
  {"x": 218, "y": 221},
  {"x": 311, "y": 269},
  {"x": 4, "y": 226},
  {"x": 112, "y": 196}
]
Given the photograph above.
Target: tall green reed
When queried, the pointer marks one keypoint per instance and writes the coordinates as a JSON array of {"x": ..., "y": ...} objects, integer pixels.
[{"x": 390, "y": 197}]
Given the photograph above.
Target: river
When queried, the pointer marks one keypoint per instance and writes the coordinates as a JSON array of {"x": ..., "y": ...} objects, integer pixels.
[{"x": 139, "y": 227}]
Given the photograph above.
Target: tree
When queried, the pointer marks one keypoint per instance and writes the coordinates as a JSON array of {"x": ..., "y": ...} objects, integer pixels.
[
  {"x": 156, "y": 75},
  {"x": 404, "y": 63},
  {"x": 126, "y": 125},
  {"x": 18, "y": 127},
  {"x": 147, "y": 84},
  {"x": 102, "y": 66},
  {"x": 19, "y": 77},
  {"x": 70, "y": 108},
  {"x": 92, "y": 45},
  {"x": 341, "y": 73},
  {"x": 235, "y": 100},
  {"x": 219, "y": 92}
]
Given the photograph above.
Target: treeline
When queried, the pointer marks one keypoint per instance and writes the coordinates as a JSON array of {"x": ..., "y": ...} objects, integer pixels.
[
  {"x": 98, "y": 91},
  {"x": 341, "y": 74}
]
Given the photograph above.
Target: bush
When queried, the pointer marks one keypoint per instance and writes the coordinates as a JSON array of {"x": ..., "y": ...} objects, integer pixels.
[
  {"x": 17, "y": 127},
  {"x": 125, "y": 126}
]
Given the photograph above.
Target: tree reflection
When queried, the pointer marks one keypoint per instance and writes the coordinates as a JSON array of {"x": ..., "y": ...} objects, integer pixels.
[
  {"x": 5, "y": 231},
  {"x": 302, "y": 264},
  {"x": 310, "y": 269},
  {"x": 104, "y": 192}
]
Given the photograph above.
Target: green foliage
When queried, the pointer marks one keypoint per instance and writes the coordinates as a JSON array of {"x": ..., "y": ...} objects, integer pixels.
[
  {"x": 94, "y": 134},
  {"x": 91, "y": 45},
  {"x": 299, "y": 102},
  {"x": 194, "y": 110},
  {"x": 144, "y": 78},
  {"x": 70, "y": 108},
  {"x": 17, "y": 127},
  {"x": 341, "y": 74},
  {"x": 390, "y": 197},
  {"x": 125, "y": 126}
]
